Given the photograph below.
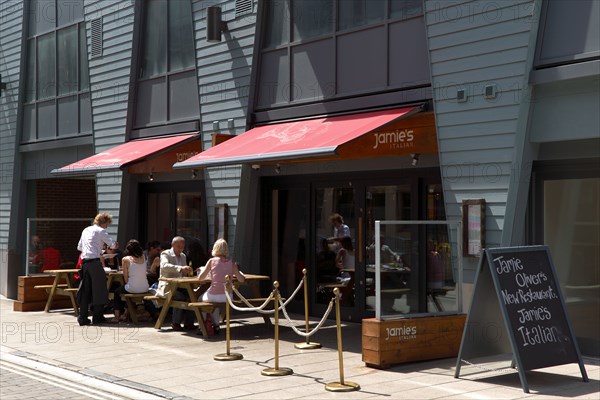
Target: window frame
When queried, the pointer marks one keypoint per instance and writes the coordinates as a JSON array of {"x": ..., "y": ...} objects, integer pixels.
[
  {"x": 166, "y": 76},
  {"x": 34, "y": 99}
]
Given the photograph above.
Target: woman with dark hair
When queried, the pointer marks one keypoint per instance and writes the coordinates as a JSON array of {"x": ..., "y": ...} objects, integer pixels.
[
  {"x": 134, "y": 275},
  {"x": 345, "y": 256}
]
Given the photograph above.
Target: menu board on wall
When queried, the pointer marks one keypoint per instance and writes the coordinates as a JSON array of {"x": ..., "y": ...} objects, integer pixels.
[{"x": 520, "y": 284}]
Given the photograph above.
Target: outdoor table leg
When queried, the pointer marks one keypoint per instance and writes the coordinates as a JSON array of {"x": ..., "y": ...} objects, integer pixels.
[
  {"x": 52, "y": 292},
  {"x": 199, "y": 317},
  {"x": 72, "y": 295},
  {"x": 255, "y": 288},
  {"x": 166, "y": 306}
]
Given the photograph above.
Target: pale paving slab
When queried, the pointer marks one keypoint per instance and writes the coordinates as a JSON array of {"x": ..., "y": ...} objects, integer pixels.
[{"x": 143, "y": 355}]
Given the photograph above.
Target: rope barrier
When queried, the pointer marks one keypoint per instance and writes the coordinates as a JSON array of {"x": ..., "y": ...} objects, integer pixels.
[
  {"x": 260, "y": 309},
  {"x": 312, "y": 332}
]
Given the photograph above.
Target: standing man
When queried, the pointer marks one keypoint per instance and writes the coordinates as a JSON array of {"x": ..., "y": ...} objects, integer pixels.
[
  {"x": 173, "y": 264},
  {"x": 92, "y": 288}
]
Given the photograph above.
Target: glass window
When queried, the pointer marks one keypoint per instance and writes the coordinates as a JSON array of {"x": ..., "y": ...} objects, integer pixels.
[
  {"x": 42, "y": 16},
  {"x": 277, "y": 28},
  {"x": 46, "y": 66},
  {"x": 154, "y": 61},
  {"x": 56, "y": 65},
  {"x": 353, "y": 13},
  {"x": 405, "y": 9},
  {"x": 167, "y": 90},
  {"x": 312, "y": 18},
  {"x": 69, "y": 11},
  {"x": 572, "y": 232},
  {"x": 181, "y": 33},
  {"x": 67, "y": 60},
  {"x": 84, "y": 76},
  {"x": 30, "y": 89}
]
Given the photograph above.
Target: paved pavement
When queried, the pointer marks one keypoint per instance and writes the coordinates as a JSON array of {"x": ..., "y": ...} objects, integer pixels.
[{"x": 126, "y": 361}]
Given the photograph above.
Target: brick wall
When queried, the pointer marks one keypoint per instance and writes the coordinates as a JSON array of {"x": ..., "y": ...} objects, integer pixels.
[{"x": 64, "y": 198}]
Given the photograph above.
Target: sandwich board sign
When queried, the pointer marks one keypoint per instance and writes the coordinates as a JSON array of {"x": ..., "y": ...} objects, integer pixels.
[{"x": 517, "y": 307}]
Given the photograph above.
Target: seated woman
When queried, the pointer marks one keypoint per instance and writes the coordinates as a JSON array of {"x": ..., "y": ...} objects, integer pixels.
[
  {"x": 345, "y": 256},
  {"x": 216, "y": 269},
  {"x": 134, "y": 275}
]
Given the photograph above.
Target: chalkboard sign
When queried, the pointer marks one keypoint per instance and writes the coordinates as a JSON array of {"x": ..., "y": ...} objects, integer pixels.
[{"x": 519, "y": 283}]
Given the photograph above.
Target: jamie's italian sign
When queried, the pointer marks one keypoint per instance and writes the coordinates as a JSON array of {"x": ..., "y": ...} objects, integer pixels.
[{"x": 404, "y": 137}]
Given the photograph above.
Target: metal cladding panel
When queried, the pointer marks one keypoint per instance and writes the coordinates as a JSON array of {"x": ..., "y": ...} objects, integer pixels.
[
  {"x": 481, "y": 140},
  {"x": 11, "y": 29},
  {"x": 224, "y": 71}
]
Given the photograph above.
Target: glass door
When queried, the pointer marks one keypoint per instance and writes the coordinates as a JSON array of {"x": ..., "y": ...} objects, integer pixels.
[
  {"x": 398, "y": 252},
  {"x": 172, "y": 209},
  {"x": 337, "y": 240}
]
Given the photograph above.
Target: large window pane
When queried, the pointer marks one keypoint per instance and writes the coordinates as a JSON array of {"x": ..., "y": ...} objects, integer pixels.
[
  {"x": 67, "y": 116},
  {"x": 155, "y": 43},
  {"x": 67, "y": 60},
  {"x": 181, "y": 36},
  {"x": 312, "y": 18},
  {"x": 183, "y": 96},
  {"x": 28, "y": 123},
  {"x": 47, "y": 120},
  {"x": 69, "y": 11},
  {"x": 277, "y": 28},
  {"x": 84, "y": 74},
  {"x": 46, "y": 62},
  {"x": 42, "y": 16},
  {"x": 405, "y": 8},
  {"x": 30, "y": 92},
  {"x": 85, "y": 113},
  {"x": 572, "y": 232},
  {"x": 151, "y": 104},
  {"x": 354, "y": 13}
]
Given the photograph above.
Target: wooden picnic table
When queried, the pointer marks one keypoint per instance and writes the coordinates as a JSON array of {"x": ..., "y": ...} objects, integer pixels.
[
  {"x": 191, "y": 283},
  {"x": 67, "y": 289},
  {"x": 62, "y": 289}
]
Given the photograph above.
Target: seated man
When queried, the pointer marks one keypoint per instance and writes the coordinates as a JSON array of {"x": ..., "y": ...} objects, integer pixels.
[
  {"x": 49, "y": 257},
  {"x": 173, "y": 264}
]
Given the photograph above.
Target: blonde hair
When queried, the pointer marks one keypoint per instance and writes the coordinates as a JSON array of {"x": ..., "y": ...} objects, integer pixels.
[
  {"x": 103, "y": 218},
  {"x": 220, "y": 249}
]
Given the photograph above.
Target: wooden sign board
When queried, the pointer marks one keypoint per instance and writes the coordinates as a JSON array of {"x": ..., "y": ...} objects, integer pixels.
[
  {"x": 526, "y": 316},
  {"x": 389, "y": 342}
]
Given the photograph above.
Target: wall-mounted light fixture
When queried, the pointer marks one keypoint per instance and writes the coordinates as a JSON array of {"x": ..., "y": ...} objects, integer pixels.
[
  {"x": 214, "y": 24},
  {"x": 415, "y": 159},
  {"x": 151, "y": 177},
  {"x": 277, "y": 168},
  {"x": 194, "y": 174}
]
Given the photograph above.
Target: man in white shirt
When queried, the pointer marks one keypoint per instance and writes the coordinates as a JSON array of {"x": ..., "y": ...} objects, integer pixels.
[{"x": 92, "y": 287}]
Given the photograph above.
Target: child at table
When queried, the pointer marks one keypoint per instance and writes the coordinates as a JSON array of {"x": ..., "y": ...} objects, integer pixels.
[{"x": 216, "y": 269}]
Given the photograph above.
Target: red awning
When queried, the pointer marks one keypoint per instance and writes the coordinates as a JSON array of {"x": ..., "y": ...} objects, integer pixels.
[
  {"x": 123, "y": 155},
  {"x": 310, "y": 138}
]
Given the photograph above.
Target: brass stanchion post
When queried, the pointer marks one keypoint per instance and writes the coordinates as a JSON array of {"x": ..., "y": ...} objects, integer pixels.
[
  {"x": 228, "y": 356},
  {"x": 308, "y": 344},
  {"x": 340, "y": 386},
  {"x": 276, "y": 371}
]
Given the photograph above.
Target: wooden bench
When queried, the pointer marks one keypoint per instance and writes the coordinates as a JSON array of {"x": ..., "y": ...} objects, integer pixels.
[
  {"x": 62, "y": 289},
  {"x": 132, "y": 300}
]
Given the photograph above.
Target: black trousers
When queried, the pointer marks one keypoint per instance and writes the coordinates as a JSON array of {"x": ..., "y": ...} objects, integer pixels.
[{"x": 92, "y": 290}]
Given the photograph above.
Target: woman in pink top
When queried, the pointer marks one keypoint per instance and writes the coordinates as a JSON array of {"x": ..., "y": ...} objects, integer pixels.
[{"x": 216, "y": 269}]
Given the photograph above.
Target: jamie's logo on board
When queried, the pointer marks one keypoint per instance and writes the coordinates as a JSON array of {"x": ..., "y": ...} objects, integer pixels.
[
  {"x": 403, "y": 333},
  {"x": 397, "y": 139},
  {"x": 184, "y": 156}
]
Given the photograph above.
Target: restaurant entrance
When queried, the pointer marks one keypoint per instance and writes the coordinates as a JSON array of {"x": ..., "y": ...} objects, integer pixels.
[
  {"x": 300, "y": 233},
  {"x": 173, "y": 209}
]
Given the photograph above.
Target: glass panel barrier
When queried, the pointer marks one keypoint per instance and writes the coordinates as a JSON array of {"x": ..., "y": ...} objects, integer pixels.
[
  {"x": 52, "y": 243},
  {"x": 414, "y": 278}
]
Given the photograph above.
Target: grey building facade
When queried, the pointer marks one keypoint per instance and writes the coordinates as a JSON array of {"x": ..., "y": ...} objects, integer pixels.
[{"x": 508, "y": 92}]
